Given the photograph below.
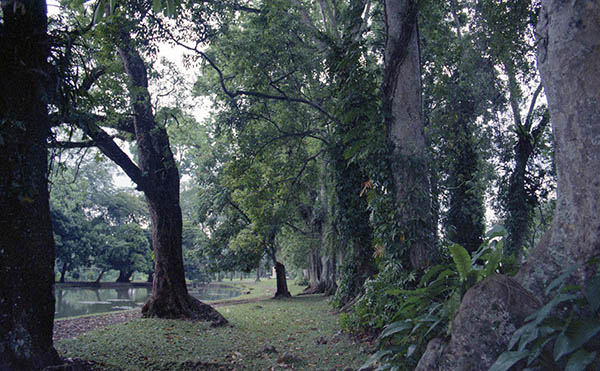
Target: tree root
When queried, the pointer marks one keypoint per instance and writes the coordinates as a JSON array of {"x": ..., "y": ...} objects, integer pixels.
[{"x": 182, "y": 307}]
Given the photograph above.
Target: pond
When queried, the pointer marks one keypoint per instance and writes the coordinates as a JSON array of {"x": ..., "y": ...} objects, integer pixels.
[{"x": 76, "y": 301}]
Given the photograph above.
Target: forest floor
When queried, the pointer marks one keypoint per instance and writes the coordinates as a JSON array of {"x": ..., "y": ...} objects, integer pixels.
[{"x": 299, "y": 333}]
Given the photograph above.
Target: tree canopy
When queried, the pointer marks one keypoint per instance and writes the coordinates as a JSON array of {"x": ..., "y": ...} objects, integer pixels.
[{"x": 396, "y": 155}]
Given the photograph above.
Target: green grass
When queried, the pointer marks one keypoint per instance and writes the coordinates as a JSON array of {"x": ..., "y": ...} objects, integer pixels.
[{"x": 302, "y": 327}]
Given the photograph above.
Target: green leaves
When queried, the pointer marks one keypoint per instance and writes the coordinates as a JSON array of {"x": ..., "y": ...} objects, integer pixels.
[
  {"x": 105, "y": 8},
  {"x": 462, "y": 260},
  {"x": 508, "y": 359},
  {"x": 559, "y": 321},
  {"x": 580, "y": 360},
  {"x": 168, "y": 7},
  {"x": 592, "y": 290},
  {"x": 575, "y": 336},
  {"x": 394, "y": 328}
]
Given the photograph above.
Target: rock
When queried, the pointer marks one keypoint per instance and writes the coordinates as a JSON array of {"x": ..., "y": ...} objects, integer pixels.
[
  {"x": 321, "y": 340},
  {"x": 489, "y": 314},
  {"x": 287, "y": 358},
  {"x": 432, "y": 354},
  {"x": 269, "y": 349}
]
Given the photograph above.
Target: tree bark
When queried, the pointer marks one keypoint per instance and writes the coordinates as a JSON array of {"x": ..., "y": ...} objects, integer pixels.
[
  {"x": 569, "y": 63},
  {"x": 329, "y": 274},
  {"x": 315, "y": 279},
  {"x": 26, "y": 240},
  {"x": 403, "y": 109},
  {"x": 282, "y": 289}
]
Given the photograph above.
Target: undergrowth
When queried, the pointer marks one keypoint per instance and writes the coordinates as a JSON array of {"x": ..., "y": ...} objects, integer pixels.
[{"x": 408, "y": 311}]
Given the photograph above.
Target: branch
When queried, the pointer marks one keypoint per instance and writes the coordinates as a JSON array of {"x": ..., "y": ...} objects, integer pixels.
[
  {"x": 69, "y": 145},
  {"x": 238, "y": 209},
  {"x": 107, "y": 145},
  {"x": 529, "y": 117},
  {"x": 311, "y": 26},
  {"x": 296, "y": 228},
  {"x": 234, "y": 94},
  {"x": 237, "y": 93},
  {"x": 122, "y": 123},
  {"x": 539, "y": 129},
  {"x": 305, "y": 165},
  {"x": 92, "y": 77}
]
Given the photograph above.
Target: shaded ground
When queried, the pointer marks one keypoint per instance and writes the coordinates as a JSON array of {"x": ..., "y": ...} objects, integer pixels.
[
  {"x": 71, "y": 328},
  {"x": 297, "y": 333}
]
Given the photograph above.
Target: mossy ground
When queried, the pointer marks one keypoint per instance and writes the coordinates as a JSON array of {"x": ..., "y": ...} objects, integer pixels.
[{"x": 302, "y": 330}]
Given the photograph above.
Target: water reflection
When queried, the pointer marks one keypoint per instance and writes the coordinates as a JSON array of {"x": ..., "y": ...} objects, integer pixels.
[{"x": 76, "y": 301}]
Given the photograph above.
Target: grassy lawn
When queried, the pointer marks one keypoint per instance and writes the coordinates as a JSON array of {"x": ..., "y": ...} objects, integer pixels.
[{"x": 298, "y": 333}]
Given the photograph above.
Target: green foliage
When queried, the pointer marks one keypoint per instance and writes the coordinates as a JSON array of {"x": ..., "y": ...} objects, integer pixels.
[
  {"x": 194, "y": 242},
  {"x": 562, "y": 334},
  {"x": 95, "y": 223},
  {"x": 378, "y": 305},
  {"x": 125, "y": 248},
  {"x": 413, "y": 312}
]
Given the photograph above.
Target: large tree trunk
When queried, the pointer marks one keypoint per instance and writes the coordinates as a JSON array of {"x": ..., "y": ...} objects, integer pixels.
[
  {"x": 160, "y": 184},
  {"x": 403, "y": 109},
  {"x": 315, "y": 278},
  {"x": 63, "y": 273},
  {"x": 329, "y": 274},
  {"x": 282, "y": 289},
  {"x": 26, "y": 241},
  {"x": 258, "y": 273},
  {"x": 569, "y": 63},
  {"x": 124, "y": 277}
]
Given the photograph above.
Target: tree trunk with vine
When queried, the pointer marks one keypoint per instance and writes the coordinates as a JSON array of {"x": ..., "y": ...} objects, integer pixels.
[{"x": 403, "y": 110}]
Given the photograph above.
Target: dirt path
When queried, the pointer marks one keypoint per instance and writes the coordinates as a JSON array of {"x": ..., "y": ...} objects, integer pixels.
[{"x": 71, "y": 328}]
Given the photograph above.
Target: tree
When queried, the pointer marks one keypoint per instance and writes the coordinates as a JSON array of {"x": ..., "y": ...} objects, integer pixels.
[
  {"x": 73, "y": 248},
  {"x": 72, "y": 193},
  {"x": 91, "y": 219},
  {"x": 125, "y": 248},
  {"x": 26, "y": 243},
  {"x": 506, "y": 30},
  {"x": 156, "y": 173},
  {"x": 403, "y": 114},
  {"x": 568, "y": 59},
  {"x": 461, "y": 97}
]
